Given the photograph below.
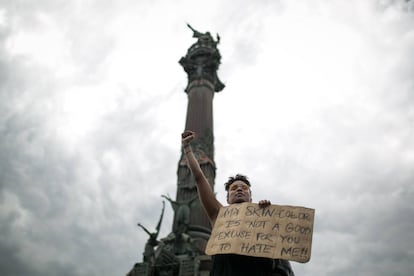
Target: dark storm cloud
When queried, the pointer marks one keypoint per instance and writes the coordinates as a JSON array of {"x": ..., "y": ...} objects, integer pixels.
[
  {"x": 70, "y": 206},
  {"x": 55, "y": 200},
  {"x": 362, "y": 196},
  {"x": 36, "y": 178},
  {"x": 44, "y": 212}
]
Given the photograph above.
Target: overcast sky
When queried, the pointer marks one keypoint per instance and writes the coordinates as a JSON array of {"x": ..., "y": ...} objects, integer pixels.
[{"x": 318, "y": 111}]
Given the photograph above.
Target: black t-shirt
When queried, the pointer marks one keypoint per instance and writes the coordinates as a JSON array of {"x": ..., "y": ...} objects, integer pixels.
[{"x": 239, "y": 265}]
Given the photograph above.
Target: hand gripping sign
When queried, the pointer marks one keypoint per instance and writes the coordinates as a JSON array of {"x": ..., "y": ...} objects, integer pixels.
[{"x": 276, "y": 232}]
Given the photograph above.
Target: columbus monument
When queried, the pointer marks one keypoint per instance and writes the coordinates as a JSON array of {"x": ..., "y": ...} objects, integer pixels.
[{"x": 181, "y": 253}]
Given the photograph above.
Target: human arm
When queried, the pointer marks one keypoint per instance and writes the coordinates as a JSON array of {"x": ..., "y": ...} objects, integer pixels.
[{"x": 205, "y": 192}]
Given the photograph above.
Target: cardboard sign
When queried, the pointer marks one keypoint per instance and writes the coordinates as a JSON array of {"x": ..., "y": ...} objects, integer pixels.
[{"x": 276, "y": 232}]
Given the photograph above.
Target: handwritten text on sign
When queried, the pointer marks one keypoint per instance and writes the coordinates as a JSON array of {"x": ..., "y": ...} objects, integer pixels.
[{"x": 277, "y": 232}]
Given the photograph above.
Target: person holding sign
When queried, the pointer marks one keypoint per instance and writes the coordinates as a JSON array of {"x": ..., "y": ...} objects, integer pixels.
[{"x": 238, "y": 191}]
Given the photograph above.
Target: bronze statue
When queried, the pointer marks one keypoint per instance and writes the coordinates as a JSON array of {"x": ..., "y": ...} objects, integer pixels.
[
  {"x": 204, "y": 37},
  {"x": 202, "y": 60},
  {"x": 152, "y": 240},
  {"x": 183, "y": 243},
  {"x": 182, "y": 214}
]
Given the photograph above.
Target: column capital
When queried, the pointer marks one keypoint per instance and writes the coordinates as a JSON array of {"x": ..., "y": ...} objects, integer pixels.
[{"x": 202, "y": 60}]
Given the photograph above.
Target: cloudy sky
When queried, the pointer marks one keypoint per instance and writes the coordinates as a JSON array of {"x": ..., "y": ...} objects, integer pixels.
[{"x": 318, "y": 111}]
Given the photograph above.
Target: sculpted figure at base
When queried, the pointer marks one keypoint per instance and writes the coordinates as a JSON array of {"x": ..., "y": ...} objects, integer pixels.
[
  {"x": 238, "y": 191},
  {"x": 152, "y": 240},
  {"x": 182, "y": 241}
]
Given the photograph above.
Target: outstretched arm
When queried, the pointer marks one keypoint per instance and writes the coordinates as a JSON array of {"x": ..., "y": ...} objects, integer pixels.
[
  {"x": 145, "y": 229},
  {"x": 205, "y": 192}
]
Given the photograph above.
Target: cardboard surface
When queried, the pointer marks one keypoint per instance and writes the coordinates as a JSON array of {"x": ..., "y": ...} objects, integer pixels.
[{"x": 277, "y": 232}]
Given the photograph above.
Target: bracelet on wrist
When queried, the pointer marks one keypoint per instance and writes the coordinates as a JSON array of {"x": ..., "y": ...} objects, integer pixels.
[{"x": 186, "y": 146}]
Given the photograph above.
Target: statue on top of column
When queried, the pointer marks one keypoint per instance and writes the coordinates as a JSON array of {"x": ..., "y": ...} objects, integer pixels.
[
  {"x": 202, "y": 60},
  {"x": 204, "y": 38}
]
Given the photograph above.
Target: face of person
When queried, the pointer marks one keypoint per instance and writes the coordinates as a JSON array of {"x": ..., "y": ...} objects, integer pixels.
[{"x": 239, "y": 192}]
